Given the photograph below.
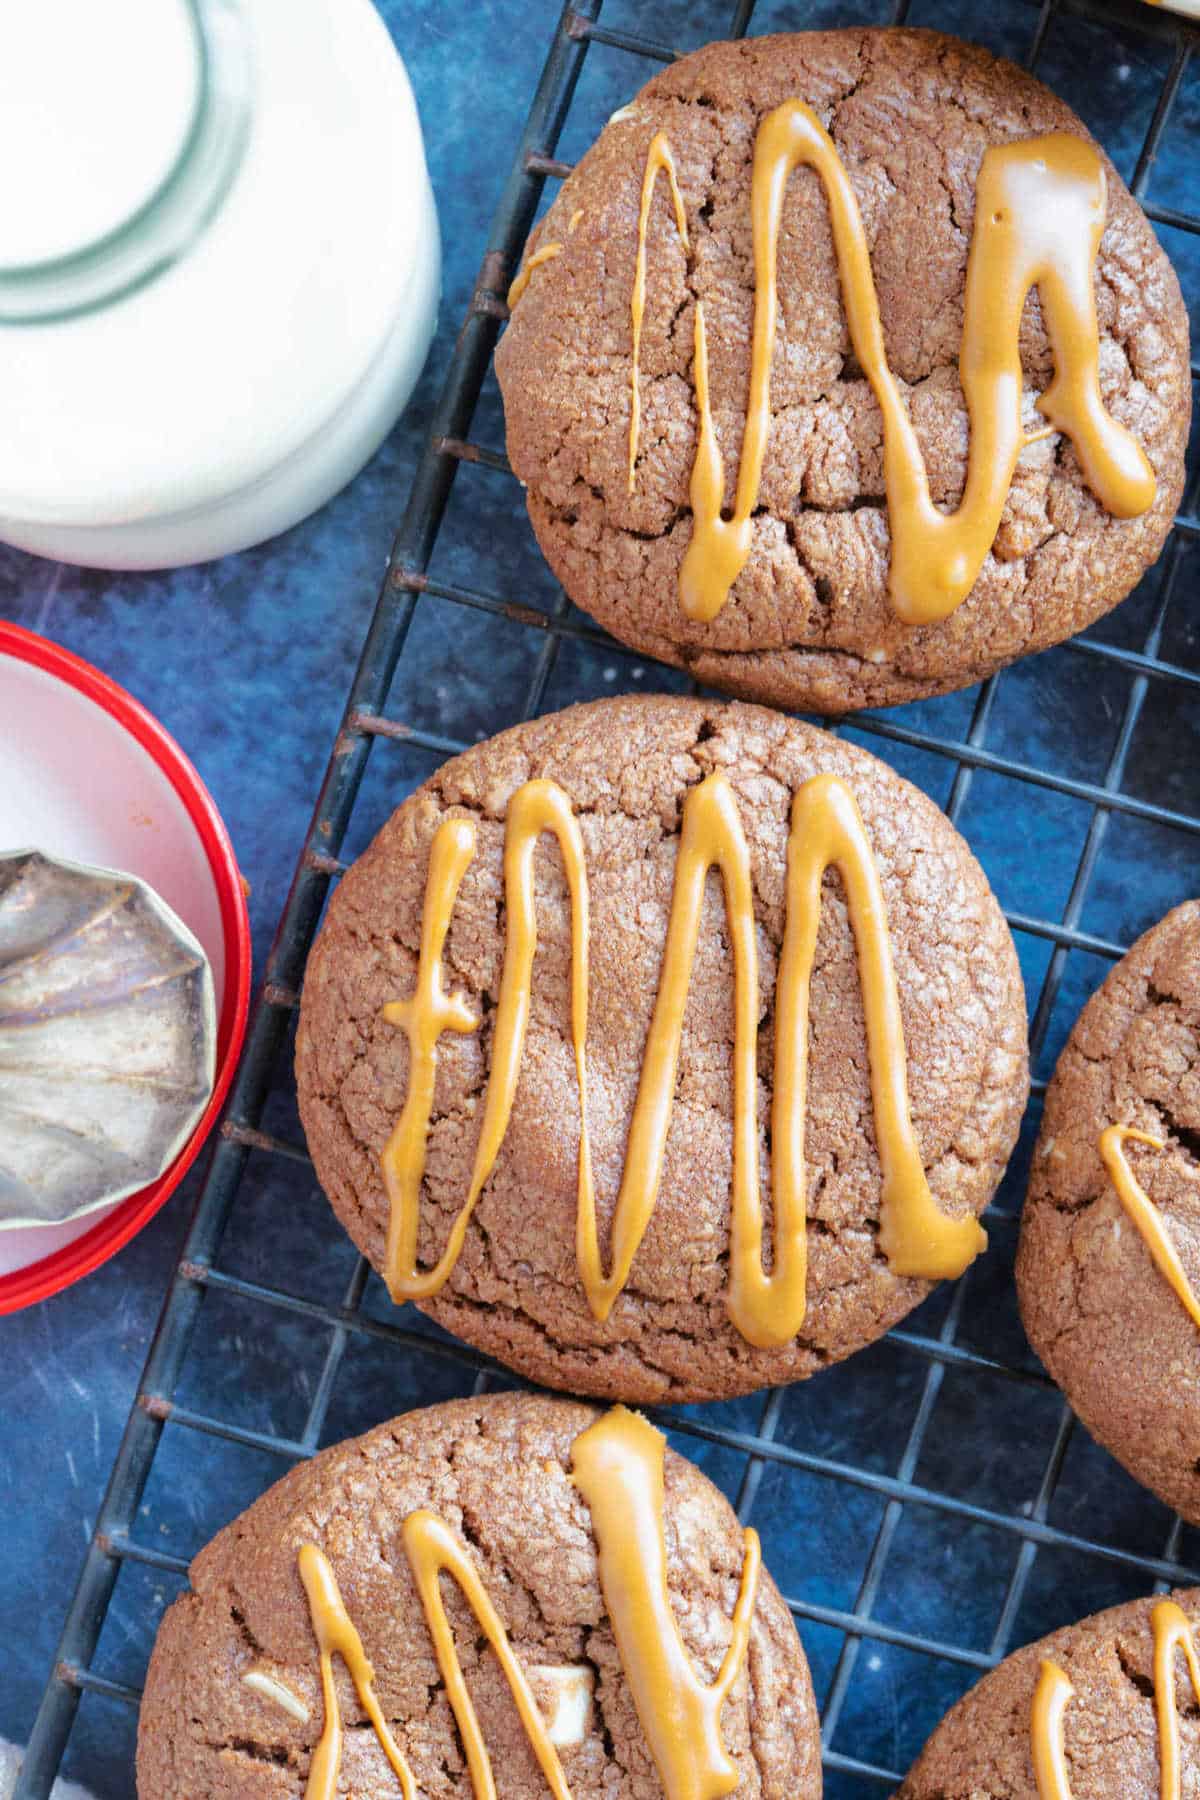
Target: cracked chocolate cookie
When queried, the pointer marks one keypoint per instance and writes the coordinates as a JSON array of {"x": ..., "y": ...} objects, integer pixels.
[
  {"x": 510, "y": 1589},
  {"x": 1101, "y": 1709},
  {"x": 866, "y": 431},
  {"x": 1108, "y": 1268},
  {"x": 663, "y": 1049}
]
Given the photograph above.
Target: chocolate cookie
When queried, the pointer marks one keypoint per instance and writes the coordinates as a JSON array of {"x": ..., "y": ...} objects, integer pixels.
[
  {"x": 1109, "y": 1263},
  {"x": 1075, "y": 1714},
  {"x": 795, "y": 521},
  {"x": 803, "y": 1074},
  {"x": 510, "y": 1582}
]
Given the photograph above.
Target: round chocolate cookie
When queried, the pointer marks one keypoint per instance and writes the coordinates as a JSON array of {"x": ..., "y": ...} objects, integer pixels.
[
  {"x": 808, "y": 620},
  {"x": 636, "y": 775},
  {"x": 1104, "y": 1317},
  {"x": 1108, "y": 1738},
  {"x": 523, "y": 1506}
]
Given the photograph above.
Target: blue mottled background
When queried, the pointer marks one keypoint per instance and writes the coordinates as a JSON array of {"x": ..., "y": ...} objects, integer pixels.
[{"x": 247, "y": 661}]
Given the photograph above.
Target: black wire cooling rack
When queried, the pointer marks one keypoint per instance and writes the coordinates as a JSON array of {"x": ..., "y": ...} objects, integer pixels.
[{"x": 929, "y": 1504}]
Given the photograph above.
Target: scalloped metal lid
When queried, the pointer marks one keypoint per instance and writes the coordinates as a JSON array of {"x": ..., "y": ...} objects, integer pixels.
[{"x": 107, "y": 1037}]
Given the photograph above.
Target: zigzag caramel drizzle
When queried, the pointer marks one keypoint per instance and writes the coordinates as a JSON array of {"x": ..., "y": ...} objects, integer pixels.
[
  {"x": 617, "y": 1466},
  {"x": 1169, "y": 1623},
  {"x": 826, "y": 830},
  {"x": 1054, "y": 1693},
  {"x": 1143, "y": 1212},
  {"x": 1039, "y": 219}
]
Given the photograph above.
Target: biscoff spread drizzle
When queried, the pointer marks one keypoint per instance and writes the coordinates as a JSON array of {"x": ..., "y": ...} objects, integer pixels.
[
  {"x": 1172, "y": 1632},
  {"x": 1143, "y": 1212},
  {"x": 657, "y": 157},
  {"x": 1039, "y": 218},
  {"x": 524, "y": 276},
  {"x": 336, "y": 1635},
  {"x": 915, "y": 1236},
  {"x": 617, "y": 1466},
  {"x": 618, "y": 1469},
  {"x": 537, "y": 807},
  {"x": 1051, "y": 1697}
]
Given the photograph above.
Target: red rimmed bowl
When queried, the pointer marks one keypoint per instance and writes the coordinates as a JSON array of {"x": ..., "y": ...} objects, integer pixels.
[{"x": 88, "y": 774}]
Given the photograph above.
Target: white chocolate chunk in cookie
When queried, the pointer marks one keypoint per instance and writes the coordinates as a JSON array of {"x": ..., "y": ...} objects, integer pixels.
[
  {"x": 273, "y": 1689},
  {"x": 564, "y": 1698}
]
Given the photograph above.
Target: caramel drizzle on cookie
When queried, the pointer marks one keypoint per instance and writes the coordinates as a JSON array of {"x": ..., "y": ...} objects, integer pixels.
[
  {"x": 524, "y": 276},
  {"x": 1053, "y": 1694},
  {"x": 1051, "y": 1697},
  {"x": 617, "y": 1466},
  {"x": 1143, "y": 1212},
  {"x": 658, "y": 157},
  {"x": 1039, "y": 217},
  {"x": 915, "y": 1236}
]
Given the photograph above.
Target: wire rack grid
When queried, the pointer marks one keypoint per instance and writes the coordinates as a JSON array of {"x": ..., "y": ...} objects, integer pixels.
[{"x": 928, "y": 1505}]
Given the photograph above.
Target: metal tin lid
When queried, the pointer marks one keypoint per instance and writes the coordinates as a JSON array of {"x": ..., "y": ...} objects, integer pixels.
[{"x": 108, "y": 1032}]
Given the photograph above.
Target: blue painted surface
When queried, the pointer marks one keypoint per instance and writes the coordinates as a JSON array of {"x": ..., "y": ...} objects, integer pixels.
[{"x": 247, "y": 662}]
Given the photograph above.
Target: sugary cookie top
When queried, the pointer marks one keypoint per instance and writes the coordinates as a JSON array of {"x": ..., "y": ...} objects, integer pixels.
[
  {"x": 1110, "y": 1239},
  {"x": 639, "y": 791},
  {"x": 318, "y": 1645},
  {"x": 903, "y": 130}
]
